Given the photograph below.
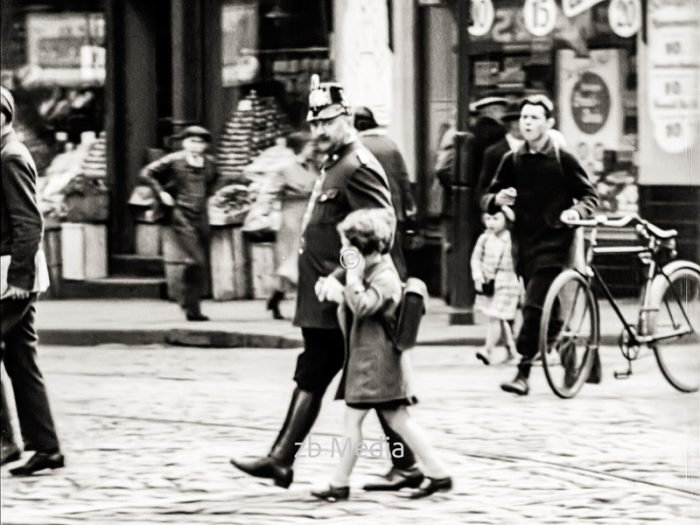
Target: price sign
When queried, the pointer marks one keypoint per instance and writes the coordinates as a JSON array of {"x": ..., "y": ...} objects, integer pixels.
[
  {"x": 625, "y": 17},
  {"x": 674, "y": 135},
  {"x": 483, "y": 14},
  {"x": 540, "y": 16}
]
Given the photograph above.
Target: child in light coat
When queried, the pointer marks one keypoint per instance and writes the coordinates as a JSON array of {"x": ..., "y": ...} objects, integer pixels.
[
  {"x": 375, "y": 374},
  {"x": 496, "y": 284}
]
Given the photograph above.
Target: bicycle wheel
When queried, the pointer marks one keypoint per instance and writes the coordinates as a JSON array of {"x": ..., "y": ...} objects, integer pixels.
[
  {"x": 675, "y": 318},
  {"x": 569, "y": 333}
]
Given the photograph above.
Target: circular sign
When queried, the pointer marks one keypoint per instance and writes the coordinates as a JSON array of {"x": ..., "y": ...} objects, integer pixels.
[
  {"x": 540, "y": 16},
  {"x": 625, "y": 17},
  {"x": 590, "y": 103},
  {"x": 483, "y": 15}
]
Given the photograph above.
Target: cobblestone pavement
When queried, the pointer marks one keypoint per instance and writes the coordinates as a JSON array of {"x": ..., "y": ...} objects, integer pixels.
[{"x": 148, "y": 433}]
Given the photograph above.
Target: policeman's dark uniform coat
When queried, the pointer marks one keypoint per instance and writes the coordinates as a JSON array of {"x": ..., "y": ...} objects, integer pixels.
[
  {"x": 20, "y": 237},
  {"x": 190, "y": 187}
]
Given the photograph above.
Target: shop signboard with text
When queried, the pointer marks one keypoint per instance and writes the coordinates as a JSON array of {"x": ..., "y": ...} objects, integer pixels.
[{"x": 65, "y": 49}]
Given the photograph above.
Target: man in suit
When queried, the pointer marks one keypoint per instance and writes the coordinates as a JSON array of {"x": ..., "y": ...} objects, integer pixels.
[
  {"x": 351, "y": 179},
  {"x": 24, "y": 276},
  {"x": 387, "y": 153},
  {"x": 493, "y": 155}
]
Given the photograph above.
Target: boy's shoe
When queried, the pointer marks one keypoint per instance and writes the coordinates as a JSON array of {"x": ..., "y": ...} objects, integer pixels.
[
  {"x": 40, "y": 461},
  {"x": 397, "y": 479},
  {"x": 484, "y": 357},
  {"x": 432, "y": 486},
  {"x": 332, "y": 494}
]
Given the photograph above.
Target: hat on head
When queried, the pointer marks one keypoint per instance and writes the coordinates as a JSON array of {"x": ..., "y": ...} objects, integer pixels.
[
  {"x": 512, "y": 112},
  {"x": 195, "y": 131},
  {"x": 487, "y": 101},
  {"x": 8, "y": 103},
  {"x": 364, "y": 118},
  {"x": 326, "y": 100}
]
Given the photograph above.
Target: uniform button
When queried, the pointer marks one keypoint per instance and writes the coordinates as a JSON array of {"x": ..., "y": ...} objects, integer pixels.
[
  {"x": 323, "y": 198},
  {"x": 301, "y": 251}
]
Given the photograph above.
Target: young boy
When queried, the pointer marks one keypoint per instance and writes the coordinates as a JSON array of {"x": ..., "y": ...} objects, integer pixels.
[{"x": 545, "y": 185}]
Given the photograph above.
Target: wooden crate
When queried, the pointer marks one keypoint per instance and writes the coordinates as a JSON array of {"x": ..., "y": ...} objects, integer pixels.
[
  {"x": 148, "y": 242},
  {"x": 230, "y": 265},
  {"x": 263, "y": 267},
  {"x": 83, "y": 251}
]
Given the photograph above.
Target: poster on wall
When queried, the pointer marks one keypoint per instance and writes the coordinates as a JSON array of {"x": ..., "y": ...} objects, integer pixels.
[
  {"x": 590, "y": 103},
  {"x": 674, "y": 72},
  {"x": 239, "y": 41},
  {"x": 65, "y": 49}
]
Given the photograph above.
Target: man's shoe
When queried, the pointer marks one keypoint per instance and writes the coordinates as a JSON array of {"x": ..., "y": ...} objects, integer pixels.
[
  {"x": 431, "y": 486},
  {"x": 269, "y": 468},
  {"x": 40, "y": 461},
  {"x": 333, "y": 494},
  {"x": 397, "y": 479},
  {"x": 516, "y": 386},
  {"x": 196, "y": 316},
  {"x": 10, "y": 452},
  {"x": 484, "y": 357}
]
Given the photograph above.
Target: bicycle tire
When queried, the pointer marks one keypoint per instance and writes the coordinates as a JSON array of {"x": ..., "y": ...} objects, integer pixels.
[
  {"x": 569, "y": 292},
  {"x": 677, "y": 357}
]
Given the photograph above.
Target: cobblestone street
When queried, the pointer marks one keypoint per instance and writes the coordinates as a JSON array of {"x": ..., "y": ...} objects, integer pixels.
[{"x": 148, "y": 432}]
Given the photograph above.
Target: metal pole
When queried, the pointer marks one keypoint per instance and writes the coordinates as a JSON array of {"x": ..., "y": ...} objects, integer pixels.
[{"x": 462, "y": 292}]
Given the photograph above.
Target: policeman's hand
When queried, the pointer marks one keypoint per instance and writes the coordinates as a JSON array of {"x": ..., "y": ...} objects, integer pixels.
[
  {"x": 15, "y": 292},
  {"x": 506, "y": 197},
  {"x": 166, "y": 198},
  {"x": 570, "y": 215}
]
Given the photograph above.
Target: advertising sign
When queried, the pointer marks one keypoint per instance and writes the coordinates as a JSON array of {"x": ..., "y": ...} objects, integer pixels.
[
  {"x": 572, "y": 8},
  {"x": 483, "y": 15},
  {"x": 625, "y": 17},
  {"x": 66, "y": 49},
  {"x": 239, "y": 32},
  {"x": 589, "y": 100},
  {"x": 540, "y": 16},
  {"x": 674, "y": 72}
]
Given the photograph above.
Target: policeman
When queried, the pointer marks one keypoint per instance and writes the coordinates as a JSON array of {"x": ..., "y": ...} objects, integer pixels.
[
  {"x": 183, "y": 181},
  {"x": 351, "y": 178}
]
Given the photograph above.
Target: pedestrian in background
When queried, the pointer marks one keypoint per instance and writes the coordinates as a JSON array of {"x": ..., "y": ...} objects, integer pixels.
[
  {"x": 351, "y": 179},
  {"x": 24, "y": 276},
  {"x": 183, "y": 181},
  {"x": 493, "y": 155},
  {"x": 294, "y": 183},
  {"x": 545, "y": 185},
  {"x": 374, "y": 374},
  {"x": 496, "y": 285},
  {"x": 387, "y": 153}
]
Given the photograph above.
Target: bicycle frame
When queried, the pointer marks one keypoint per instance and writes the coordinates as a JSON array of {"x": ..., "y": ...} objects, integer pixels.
[{"x": 640, "y": 335}]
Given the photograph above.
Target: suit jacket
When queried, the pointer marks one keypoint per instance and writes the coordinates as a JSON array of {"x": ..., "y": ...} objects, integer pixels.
[
  {"x": 492, "y": 158},
  {"x": 351, "y": 179},
  {"x": 387, "y": 153},
  {"x": 22, "y": 225}
]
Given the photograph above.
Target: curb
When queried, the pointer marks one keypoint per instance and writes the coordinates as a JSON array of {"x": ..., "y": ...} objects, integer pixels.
[{"x": 214, "y": 339}]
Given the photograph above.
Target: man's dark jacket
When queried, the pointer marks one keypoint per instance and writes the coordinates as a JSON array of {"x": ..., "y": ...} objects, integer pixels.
[
  {"x": 353, "y": 179},
  {"x": 387, "y": 153},
  {"x": 22, "y": 224},
  {"x": 547, "y": 184},
  {"x": 487, "y": 132},
  {"x": 492, "y": 159}
]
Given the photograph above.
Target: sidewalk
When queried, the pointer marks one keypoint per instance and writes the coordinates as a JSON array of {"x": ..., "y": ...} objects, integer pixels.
[{"x": 233, "y": 324}]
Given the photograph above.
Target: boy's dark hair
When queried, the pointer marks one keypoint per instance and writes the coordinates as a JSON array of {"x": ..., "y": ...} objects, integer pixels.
[
  {"x": 539, "y": 100},
  {"x": 297, "y": 140}
]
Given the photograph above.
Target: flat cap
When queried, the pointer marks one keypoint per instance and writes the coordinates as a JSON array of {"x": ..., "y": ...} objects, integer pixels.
[{"x": 195, "y": 131}]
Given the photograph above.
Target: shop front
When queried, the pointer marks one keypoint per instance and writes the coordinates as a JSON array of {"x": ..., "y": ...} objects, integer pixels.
[{"x": 593, "y": 59}]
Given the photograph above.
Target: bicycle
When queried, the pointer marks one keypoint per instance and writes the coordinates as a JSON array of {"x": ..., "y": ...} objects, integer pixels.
[{"x": 667, "y": 318}]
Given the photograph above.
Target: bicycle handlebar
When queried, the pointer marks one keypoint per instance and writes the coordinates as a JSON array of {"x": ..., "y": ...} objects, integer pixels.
[{"x": 645, "y": 226}]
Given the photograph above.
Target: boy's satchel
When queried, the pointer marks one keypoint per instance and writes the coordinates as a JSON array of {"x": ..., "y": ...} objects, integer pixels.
[{"x": 403, "y": 331}]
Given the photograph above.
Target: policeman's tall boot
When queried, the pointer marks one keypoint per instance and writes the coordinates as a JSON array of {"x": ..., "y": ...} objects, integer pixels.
[{"x": 277, "y": 465}]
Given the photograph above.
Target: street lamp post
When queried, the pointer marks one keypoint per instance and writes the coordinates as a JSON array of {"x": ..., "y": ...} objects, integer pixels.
[{"x": 463, "y": 184}]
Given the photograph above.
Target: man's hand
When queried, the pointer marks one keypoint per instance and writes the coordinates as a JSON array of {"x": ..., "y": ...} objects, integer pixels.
[
  {"x": 15, "y": 292},
  {"x": 506, "y": 197},
  {"x": 166, "y": 198},
  {"x": 479, "y": 285},
  {"x": 329, "y": 289},
  {"x": 569, "y": 215}
]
